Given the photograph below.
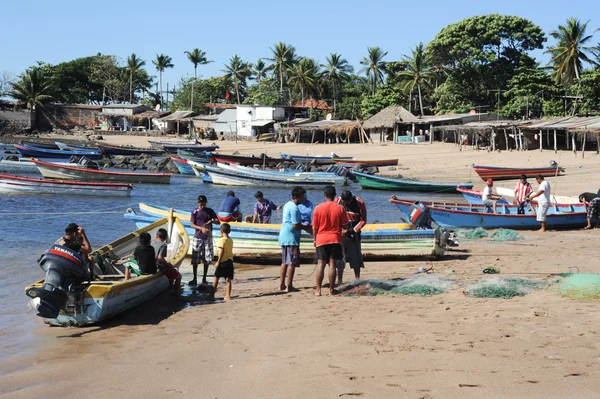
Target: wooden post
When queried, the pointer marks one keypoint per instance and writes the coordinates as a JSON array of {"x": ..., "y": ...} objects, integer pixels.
[
  {"x": 555, "y": 145},
  {"x": 493, "y": 136},
  {"x": 514, "y": 130},
  {"x": 506, "y": 138},
  {"x": 313, "y": 136},
  {"x": 583, "y": 146},
  {"x": 540, "y": 139},
  {"x": 431, "y": 133},
  {"x": 568, "y": 140},
  {"x": 573, "y": 143},
  {"x": 548, "y": 138},
  {"x": 412, "y": 134}
]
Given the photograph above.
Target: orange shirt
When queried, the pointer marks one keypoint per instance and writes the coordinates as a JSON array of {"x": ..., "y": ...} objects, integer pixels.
[{"x": 328, "y": 219}]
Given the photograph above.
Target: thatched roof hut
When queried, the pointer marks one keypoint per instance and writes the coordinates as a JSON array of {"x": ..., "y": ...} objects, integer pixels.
[{"x": 387, "y": 118}]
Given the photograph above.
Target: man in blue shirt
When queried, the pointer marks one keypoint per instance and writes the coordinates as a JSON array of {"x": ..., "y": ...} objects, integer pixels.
[
  {"x": 230, "y": 209},
  {"x": 306, "y": 211},
  {"x": 289, "y": 238}
]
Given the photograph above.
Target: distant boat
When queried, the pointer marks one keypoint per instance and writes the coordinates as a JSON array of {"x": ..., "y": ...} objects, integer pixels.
[
  {"x": 415, "y": 186},
  {"x": 172, "y": 148},
  {"x": 314, "y": 160},
  {"x": 500, "y": 173},
  {"x": 562, "y": 216},
  {"x": 29, "y": 185},
  {"x": 124, "y": 150},
  {"x": 183, "y": 166},
  {"x": 335, "y": 179},
  {"x": 28, "y": 151},
  {"x": 57, "y": 171},
  {"x": 198, "y": 156},
  {"x": 244, "y": 160},
  {"x": 357, "y": 162},
  {"x": 72, "y": 147},
  {"x": 36, "y": 144},
  {"x": 158, "y": 144}
]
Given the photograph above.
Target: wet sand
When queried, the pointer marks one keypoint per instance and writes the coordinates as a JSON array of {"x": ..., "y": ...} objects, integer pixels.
[{"x": 264, "y": 343}]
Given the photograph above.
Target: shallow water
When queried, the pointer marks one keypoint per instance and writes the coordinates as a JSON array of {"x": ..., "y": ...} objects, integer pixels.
[{"x": 30, "y": 224}]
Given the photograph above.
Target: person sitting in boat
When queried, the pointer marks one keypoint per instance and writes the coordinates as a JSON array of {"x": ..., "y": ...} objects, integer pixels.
[
  {"x": 356, "y": 210},
  {"x": 522, "y": 191},
  {"x": 592, "y": 204},
  {"x": 164, "y": 266},
  {"x": 263, "y": 209},
  {"x": 145, "y": 255},
  {"x": 488, "y": 197},
  {"x": 230, "y": 209},
  {"x": 75, "y": 239}
]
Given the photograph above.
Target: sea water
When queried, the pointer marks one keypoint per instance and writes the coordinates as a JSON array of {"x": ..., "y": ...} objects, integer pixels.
[{"x": 29, "y": 224}]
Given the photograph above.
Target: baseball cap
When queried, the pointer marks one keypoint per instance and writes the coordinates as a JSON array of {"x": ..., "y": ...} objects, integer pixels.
[
  {"x": 490, "y": 181},
  {"x": 202, "y": 198}
]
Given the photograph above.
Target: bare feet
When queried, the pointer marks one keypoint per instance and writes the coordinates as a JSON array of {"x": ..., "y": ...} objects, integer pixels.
[
  {"x": 541, "y": 231},
  {"x": 333, "y": 291},
  {"x": 317, "y": 292},
  {"x": 226, "y": 298},
  {"x": 282, "y": 287}
]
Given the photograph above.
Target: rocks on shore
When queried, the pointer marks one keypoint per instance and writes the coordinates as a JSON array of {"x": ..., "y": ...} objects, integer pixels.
[{"x": 139, "y": 162}]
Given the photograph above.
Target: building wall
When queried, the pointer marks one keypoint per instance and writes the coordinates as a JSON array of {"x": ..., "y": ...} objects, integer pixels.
[
  {"x": 19, "y": 119},
  {"x": 63, "y": 116}
]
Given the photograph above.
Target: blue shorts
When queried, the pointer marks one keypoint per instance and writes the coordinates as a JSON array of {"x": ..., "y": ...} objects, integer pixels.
[{"x": 290, "y": 255}]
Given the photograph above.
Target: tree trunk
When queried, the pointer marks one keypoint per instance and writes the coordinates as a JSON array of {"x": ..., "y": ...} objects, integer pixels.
[
  {"x": 302, "y": 91},
  {"x": 161, "y": 93},
  {"x": 420, "y": 99},
  {"x": 194, "y": 82},
  {"x": 130, "y": 87},
  {"x": 237, "y": 92},
  {"x": 334, "y": 108}
]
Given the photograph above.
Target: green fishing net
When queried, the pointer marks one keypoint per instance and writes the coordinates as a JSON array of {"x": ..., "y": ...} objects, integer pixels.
[
  {"x": 581, "y": 286},
  {"x": 425, "y": 285},
  {"x": 471, "y": 234},
  {"x": 505, "y": 235},
  {"x": 503, "y": 287}
]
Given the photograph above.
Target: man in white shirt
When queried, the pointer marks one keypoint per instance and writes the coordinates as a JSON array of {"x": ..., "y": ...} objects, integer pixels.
[
  {"x": 488, "y": 197},
  {"x": 543, "y": 196}
]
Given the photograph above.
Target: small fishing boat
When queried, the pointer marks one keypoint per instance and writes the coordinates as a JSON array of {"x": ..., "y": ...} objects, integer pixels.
[
  {"x": 262, "y": 159},
  {"x": 158, "y": 144},
  {"x": 73, "y": 295},
  {"x": 500, "y": 173},
  {"x": 474, "y": 196},
  {"x": 57, "y": 171},
  {"x": 415, "y": 186},
  {"x": 73, "y": 147},
  {"x": 260, "y": 240},
  {"x": 125, "y": 150},
  {"x": 23, "y": 165},
  {"x": 29, "y": 185},
  {"x": 183, "y": 166},
  {"x": 445, "y": 214},
  {"x": 28, "y": 151},
  {"x": 172, "y": 148},
  {"x": 198, "y": 156},
  {"x": 358, "y": 162},
  {"x": 509, "y": 194},
  {"x": 335, "y": 179},
  {"x": 36, "y": 144},
  {"x": 314, "y": 160},
  {"x": 200, "y": 171}
]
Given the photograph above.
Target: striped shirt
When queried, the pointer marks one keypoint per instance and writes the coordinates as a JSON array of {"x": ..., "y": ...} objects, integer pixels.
[
  {"x": 356, "y": 211},
  {"x": 522, "y": 191}
]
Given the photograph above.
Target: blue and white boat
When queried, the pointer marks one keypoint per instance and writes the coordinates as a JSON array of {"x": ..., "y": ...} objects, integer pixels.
[
  {"x": 28, "y": 151},
  {"x": 474, "y": 196},
  {"x": 335, "y": 179},
  {"x": 183, "y": 166}
]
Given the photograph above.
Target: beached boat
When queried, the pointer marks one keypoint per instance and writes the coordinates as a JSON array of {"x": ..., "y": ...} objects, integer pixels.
[
  {"x": 358, "y": 162},
  {"x": 23, "y": 165},
  {"x": 159, "y": 143},
  {"x": 474, "y": 196},
  {"x": 508, "y": 195},
  {"x": 182, "y": 166},
  {"x": 333, "y": 178},
  {"x": 28, "y": 151},
  {"x": 262, "y": 159},
  {"x": 198, "y": 156},
  {"x": 172, "y": 148},
  {"x": 72, "y": 147},
  {"x": 36, "y": 144},
  {"x": 132, "y": 151},
  {"x": 57, "y": 171},
  {"x": 561, "y": 216},
  {"x": 314, "y": 160},
  {"x": 500, "y": 173},
  {"x": 30, "y": 185},
  {"x": 260, "y": 240},
  {"x": 71, "y": 296},
  {"x": 415, "y": 186}
]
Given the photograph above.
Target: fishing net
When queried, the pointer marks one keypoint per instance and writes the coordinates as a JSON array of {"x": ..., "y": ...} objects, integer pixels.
[
  {"x": 503, "y": 287},
  {"x": 425, "y": 285},
  {"x": 581, "y": 286},
  {"x": 505, "y": 235},
  {"x": 471, "y": 234}
]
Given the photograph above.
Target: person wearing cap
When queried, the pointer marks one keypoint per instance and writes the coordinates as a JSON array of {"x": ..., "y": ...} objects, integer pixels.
[
  {"x": 488, "y": 197},
  {"x": 592, "y": 204},
  {"x": 75, "y": 239},
  {"x": 543, "y": 196},
  {"x": 522, "y": 191},
  {"x": 230, "y": 209},
  {"x": 357, "y": 217},
  {"x": 202, "y": 219},
  {"x": 263, "y": 209}
]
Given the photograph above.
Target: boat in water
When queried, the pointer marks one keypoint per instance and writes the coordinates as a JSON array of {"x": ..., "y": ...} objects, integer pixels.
[
  {"x": 73, "y": 295},
  {"x": 129, "y": 151},
  {"x": 350, "y": 163},
  {"x": 262, "y": 159},
  {"x": 172, "y": 148},
  {"x": 415, "y": 186},
  {"x": 198, "y": 156},
  {"x": 182, "y": 166},
  {"x": 36, "y": 152},
  {"x": 157, "y": 144},
  {"x": 501, "y": 173},
  {"x": 334, "y": 178},
  {"x": 10, "y": 184}
]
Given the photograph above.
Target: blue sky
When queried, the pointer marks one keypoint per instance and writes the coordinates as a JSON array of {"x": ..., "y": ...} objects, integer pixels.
[{"x": 60, "y": 30}]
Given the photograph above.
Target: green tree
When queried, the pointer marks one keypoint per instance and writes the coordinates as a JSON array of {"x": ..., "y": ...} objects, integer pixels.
[
  {"x": 374, "y": 66},
  {"x": 526, "y": 91},
  {"x": 385, "y": 96},
  {"x": 161, "y": 63},
  {"x": 418, "y": 72},
  {"x": 196, "y": 57},
  {"x": 337, "y": 72},
  {"x": 570, "y": 52},
  {"x": 237, "y": 71},
  {"x": 134, "y": 64},
  {"x": 284, "y": 56},
  {"x": 259, "y": 71},
  {"x": 267, "y": 93},
  {"x": 205, "y": 91},
  {"x": 305, "y": 76},
  {"x": 352, "y": 93},
  {"x": 32, "y": 89}
]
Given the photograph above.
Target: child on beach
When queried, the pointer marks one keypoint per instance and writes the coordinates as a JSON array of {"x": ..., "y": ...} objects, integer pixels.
[
  {"x": 163, "y": 265},
  {"x": 145, "y": 256},
  {"x": 224, "y": 261}
]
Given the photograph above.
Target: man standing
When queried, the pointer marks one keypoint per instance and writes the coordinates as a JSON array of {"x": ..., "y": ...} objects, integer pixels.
[
  {"x": 289, "y": 239},
  {"x": 263, "y": 209},
  {"x": 356, "y": 210},
  {"x": 202, "y": 219},
  {"x": 488, "y": 197},
  {"x": 230, "y": 209},
  {"x": 522, "y": 191},
  {"x": 330, "y": 221},
  {"x": 543, "y": 196},
  {"x": 592, "y": 204}
]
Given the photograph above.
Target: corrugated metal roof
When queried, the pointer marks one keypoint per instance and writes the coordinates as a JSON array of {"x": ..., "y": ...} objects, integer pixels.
[
  {"x": 178, "y": 116},
  {"x": 206, "y": 117},
  {"x": 323, "y": 124},
  {"x": 229, "y": 115},
  {"x": 262, "y": 122}
]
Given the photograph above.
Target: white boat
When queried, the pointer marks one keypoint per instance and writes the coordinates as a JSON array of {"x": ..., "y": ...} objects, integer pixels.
[
  {"x": 159, "y": 143},
  {"x": 509, "y": 195},
  {"x": 23, "y": 165},
  {"x": 82, "y": 300},
  {"x": 335, "y": 180},
  {"x": 10, "y": 184}
]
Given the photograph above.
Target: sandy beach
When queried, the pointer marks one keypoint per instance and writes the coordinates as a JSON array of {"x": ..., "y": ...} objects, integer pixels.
[{"x": 266, "y": 344}]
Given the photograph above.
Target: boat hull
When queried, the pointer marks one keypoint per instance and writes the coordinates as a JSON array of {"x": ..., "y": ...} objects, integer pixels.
[
  {"x": 415, "y": 186},
  {"x": 500, "y": 173},
  {"x": 355, "y": 162},
  {"x": 331, "y": 178},
  {"x": 240, "y": 160},
  {"x": 182, "y": 166},
  {"x": 55, "y": 171},
  {"x": 172, "y": 148},
  {"x": 26, "y": 185},
  {"x": 22, "y": 166},
  {"x": 28, "y": 151},
  {"x": 227, "y": 178},
  {"x": 474, "y": 196},
  {"x": 115, "y": 150}
]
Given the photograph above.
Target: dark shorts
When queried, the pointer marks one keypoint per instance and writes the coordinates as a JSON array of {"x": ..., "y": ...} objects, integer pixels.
[
  {"x": 290, "y": 255},
  {"x": 352, "y": 253},
  {"x": 593, "y": 208},
  {"x": 329, "y": 251},
  {"x": 171, "y": 274},
  {"x": 225, "y": 269}
]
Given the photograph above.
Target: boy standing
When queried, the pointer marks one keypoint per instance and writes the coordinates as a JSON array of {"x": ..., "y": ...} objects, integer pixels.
[
  {"x": 163, "y": 265},
  {"x": 202, "y": 219},
  {"x": 224, "y": 261}
]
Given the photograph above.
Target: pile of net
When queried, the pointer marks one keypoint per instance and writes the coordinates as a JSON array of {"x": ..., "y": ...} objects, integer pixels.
[
  {"x": 425, "y": 285},
  {"x": 471, "y": 234},
  {"x": 504, "y": 287},
  {"x": 505, "y": 235},
  {"x": 581, "y": 286}
]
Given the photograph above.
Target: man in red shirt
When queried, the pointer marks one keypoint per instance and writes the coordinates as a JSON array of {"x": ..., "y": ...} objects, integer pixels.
[
  {"x": 330, "y": 221},
  {"x": 356, "y": 210}
]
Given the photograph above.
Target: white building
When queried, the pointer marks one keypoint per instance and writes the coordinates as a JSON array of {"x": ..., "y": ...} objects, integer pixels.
[{"x": 253, "y": 120}]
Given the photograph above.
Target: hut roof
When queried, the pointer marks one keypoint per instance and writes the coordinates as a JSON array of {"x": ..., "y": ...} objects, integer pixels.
[
  {"x": 389, "y": 116},
  {"x": 311, "y": 103},
  {"x": 151, "y": 115},
  {"x": 179, "y": 116},
  {"x": 346, "y": 128}
]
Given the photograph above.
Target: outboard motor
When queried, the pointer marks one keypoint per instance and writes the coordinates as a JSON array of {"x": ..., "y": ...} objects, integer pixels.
[
  {"x": 64, "y": 269},
  {"x": 420, "y": 215}
]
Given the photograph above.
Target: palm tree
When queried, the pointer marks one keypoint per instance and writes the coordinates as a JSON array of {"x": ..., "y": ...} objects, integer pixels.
[
  {"x": 374, "y": 66},
  {"x": 570, "y": 52},
  {"x": 196, "y": 57},
  {"x": 161, "y": 63},
  {"x": 259, "y": 70},
  {"x": 337, "y": 70},
  {"x": 134, "y": 64},
  {"x": 33, "y": 88},
  {"x": 305, "y": 76},
  {"x": 237, "y": 71},
  {"x": 417, "y": 73},
  {"x": 284, "y": 56}
]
